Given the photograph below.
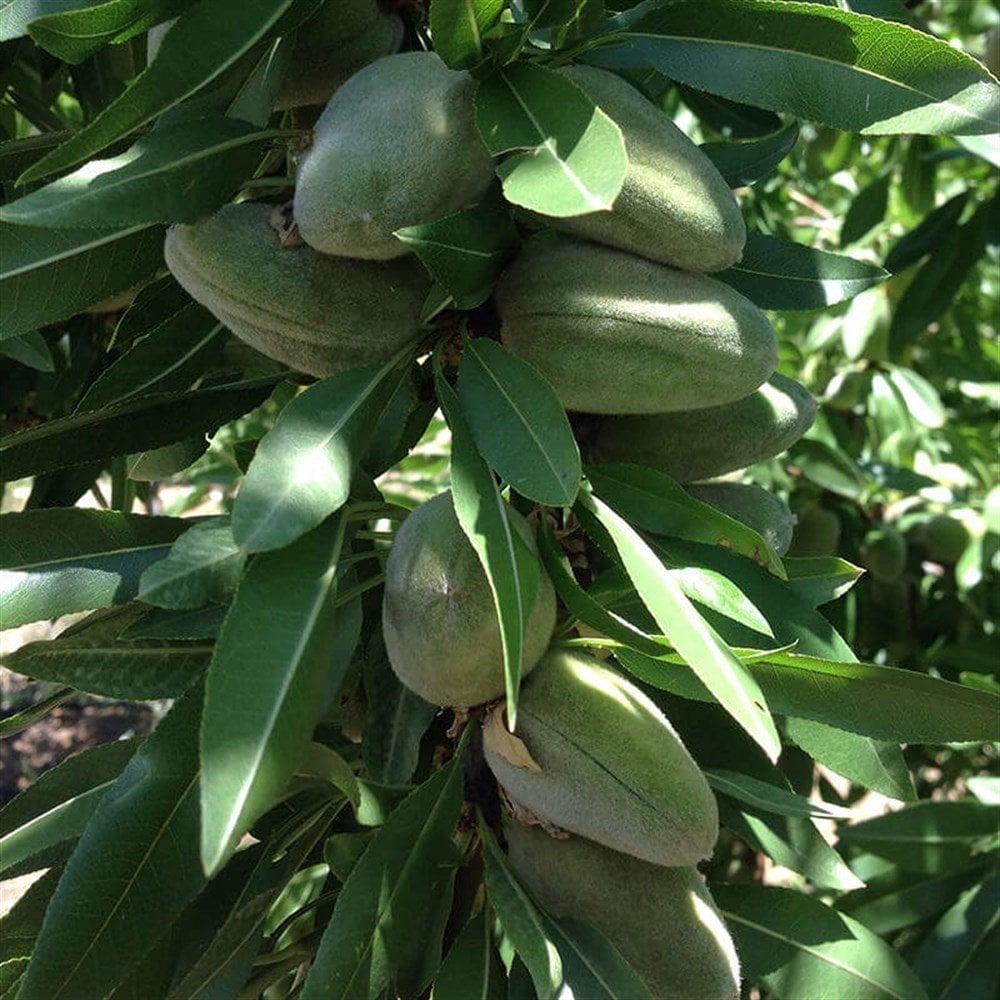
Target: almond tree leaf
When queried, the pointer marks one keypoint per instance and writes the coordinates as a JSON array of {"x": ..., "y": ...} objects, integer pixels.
[
  {"x": 700, "y": 645},
  {"x": 50, "y": 274},
  {"x": 926, "y": 836},
  {"x": 518, "y": 423},
  {"x": 874, "y": 764},
  {"x": 776, "y": 274},
  {"x": 482, "y": 513},
  {"x": 798, "y": 947},
  {"x": 815, "y": 62},
  {"x": 466, "y": 251},
  {"x": 923, "y": 238},
  {"x": 472, "y": 968},
  {"x": 821, "y": 579},
  {"x": 954, "y": 959},
  {"x": 72, "y": 35},
  {"x": 90, "y": 657},
  {"x": 160, "y": 623},
  {"x": 458, "y": 26},
  {"x": 301, "y": 472},
  {"x": 168, "y": 359},
  {"x": 29, "y": 349},
  {"x": 264, "y": 689},
  {"x": 137, "y": 424},
  {"x": 204, "y": 41},
  {"x": 58, "y": 805},
  {"x": 16, "y": 15},
  {"x": 176, "y": 173},
  {"x": 522, "y": 922},
  {"x": 203, "y": 565},
  {"x": 133, "y": 871},
  {"x": 408, "y": 868},
  {"x": 744, "y": 163},
  {"x": 885, "y": 703},
  {"x": 20, "y": 927},
  {"x": 56, "y": 561},
  {"x": 766, "y": 797},
  {"x": 569, "y": 156},
  {"x": 866, "y": 210}
]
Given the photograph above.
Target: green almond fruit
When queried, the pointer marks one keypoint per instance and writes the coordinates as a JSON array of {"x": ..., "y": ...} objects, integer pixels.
[
  {"x": 885, "y": 553},
  {"x": 700, "y": 444},
  {"x": 333, "y": 45},
  {"x": 674, "y": 206},
  {"x": 438, "y": 617},
  {"x": 817, "y": 533},
  {"x": 615, "y": 333},
  {"x": 316, "y": 314},
  {"x": 396, "y": 146},
  {"x": 946, "y": 538},
  {"x": 663, "y": 921},
  {"x": 754, "y": 506},
  {"x": 609, "y": 765}
]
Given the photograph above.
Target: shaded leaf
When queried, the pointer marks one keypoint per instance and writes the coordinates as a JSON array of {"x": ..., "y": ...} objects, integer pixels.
[
  {"x": 16, "y": 15},
  {"x": 29, "y": 349},
  {"x": 518, "y": 423},
  {"x": 133, "y": 871},
  {"x": 301, "y": 471},
  {"x": 204, "y": 41},
  {"x": 90, "y": 657},
  {"x": 160, "y": 623},
  {"x": 49, "y": 274},
  {"x": 866, "y": 211},
  {"x": 135, "y": 425},
  {"x": 567, "y": 156},
  {"x": 20, "y": 926},
  {"x": 265, "y": 686},
  {"x": 743, "y": 163},
  {"x": 203, "y": 565},
  {"x": 775, "y": 274},
  {"x": 408, "y": 868},
  {"x": 472, "y": 966},
  {"x": 815, "y": 62},
  {"x": 800, "y": 949},
  {"x": 177, "y": 173},
  {"x": 58, "y": 805},
  {"x": 921, "y": 240},
  {"x": 56, "y": 561}
]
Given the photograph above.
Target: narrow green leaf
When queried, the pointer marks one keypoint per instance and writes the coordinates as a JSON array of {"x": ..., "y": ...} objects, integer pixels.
[
  {"x": 264, "y": 687},
  {"x": 518, "y": 424},
  {"x": 136, "y": 425},
  {"x": 582, "y": 604},
  {"x": 29, "y": 349},
  {"x": 372, "y": 940},
  {"x": 815, "y": 62},
  {"x": 713, "y": 590},
  {"x": 58, "y": 805},
  {"x": 482, "y": 513},
  {"x": 471, "y": 970},
  {"x": 821, "y": 579},
  {"x": 870, "y": 763},
  {"x": 885, "y": 703},
  {"x": 160, "y": 623},
  {"x": 522, "y": 923},
  {"x": 652, "y": 501},
  {"x": 570, "y": 156},
  {"x": 301, "y": 472},
  {"x": 466, "y": 251},
  {"x": 204, "y": 41},
  {"x": 204, "y": 565},
  {"x": 765, "y": 797},
  {"x": 458, "y": 26},
  {"x": 154, "y": 464},
  {"x": 16, "y": 15},
  {"x": 394, "y": 724},
  {"x": 167, "y": 360},
  {"x": 177, "y": 173},
  {"x": 926, "y": 836},
  {"x": 155, "y": 303},
  {"x": 744, "y": 163},
  {"x": 17, "y": 722},
  {"x": 789, "y": 276},
  {"x": 920, "y": 398},
  {"x": 700, "y": 645},
  {"x": 799, "y": 948},
  {"x": 49, "y": 274},
  {"x": 20, "y": 927},
  {"x": 921, "y": 240},
  {"x": 89, "y": 656},
  {"x": 866, "y": 211},
  {"x": 72, "y": 35},
  {"x": 133, "y": 871},
  {"x": 57, "y": 561},
  {"x": 790, "y": 841}
]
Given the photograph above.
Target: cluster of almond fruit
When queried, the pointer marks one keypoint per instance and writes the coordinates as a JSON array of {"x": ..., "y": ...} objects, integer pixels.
[{"x": 618, "y": 312}]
